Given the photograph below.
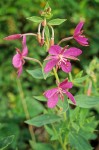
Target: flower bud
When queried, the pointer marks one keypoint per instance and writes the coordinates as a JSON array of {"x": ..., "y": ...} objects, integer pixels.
[
  {"x": 13, "y": 37},
  {"x": 39, "y": 38},
  {"x": 44, "y": 23},
  {"x": 48, "y": 9},
  {"x": 42, "y": 42},
  {"x": 52, "y": 42}
]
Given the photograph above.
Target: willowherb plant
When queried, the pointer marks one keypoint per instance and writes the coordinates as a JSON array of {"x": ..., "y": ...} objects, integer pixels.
[{"x": 68, "y": 131}]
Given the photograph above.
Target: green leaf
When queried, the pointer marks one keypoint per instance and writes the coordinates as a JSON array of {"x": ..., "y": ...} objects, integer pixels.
[
  {"x": 34, "y": 106},
  {"x": 85, "y": 101},
  {"x": 43, "y": 120},
  {"x": 47, "y": 32},
  {"x": 78, "y": 142},
  {"x": 49, "y": 130},
  {"x": 56, "y": 21},
  {"x": 41, "y": 146},
  {"x": 63, "y": 105},
  {"x": 40, "y": 98},
  {"x": 6, "y": 141},
  {"x": 78, "y": 75},
  {"x": 46, "y": 6},
  {"x": 35, "y": 19},
  {"x": 36, "y": 73},
  {"x": 80, "y": 80}
]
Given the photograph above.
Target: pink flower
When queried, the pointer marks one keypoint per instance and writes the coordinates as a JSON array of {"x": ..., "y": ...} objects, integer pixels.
[
  {"x": 18, "y": 59},
  {"x": 81, "y": 39},
  {"x": 13, "y": 37},
  {"x": 54, "y": 94},
  {"x": 60, "y": 58}
]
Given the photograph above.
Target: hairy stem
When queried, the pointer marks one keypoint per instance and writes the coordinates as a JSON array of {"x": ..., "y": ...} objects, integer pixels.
[
  {"x": 25, "y": 109},
  {"x": 65, "y": 39},
  {"x": 33, "y": 59},
  {"x": 30, "y": 34}
]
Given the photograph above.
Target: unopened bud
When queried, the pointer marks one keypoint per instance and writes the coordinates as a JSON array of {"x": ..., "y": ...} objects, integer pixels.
[
  {"x": 48, "y": 9},
  {"x": 13, "y": 37},
  {"x": 44, "y": 23},
  {"x": 39, "y": 38},
  {"x": 52, "y": 42},
  {"x": 42, "y": 42}
]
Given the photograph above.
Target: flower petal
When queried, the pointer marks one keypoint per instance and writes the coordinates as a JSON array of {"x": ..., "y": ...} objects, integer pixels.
[
  {"x": 78, "y": 28},
  {"x": 82, "y": 40},
  {"x": 54, "y": 50},
  {"x": 73, "y": 51},
  {"x": 20, "y": 71},
  {"x": 65, "y": 84},
  {"x": 52, "y": 101},
  {"x": 66, "y": 67},
  {"x": 16, "y": 61},
  {"x": 50, "y": 93},
  {"x": 25, "y": 49},
  {"x": 50, "y": 64},
  {"x": 13, "y": 37},
  {"x": 70, "y": 96}
]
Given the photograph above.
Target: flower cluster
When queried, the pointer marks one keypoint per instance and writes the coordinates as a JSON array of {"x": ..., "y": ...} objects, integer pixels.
[{"x": 58, "y": 57}]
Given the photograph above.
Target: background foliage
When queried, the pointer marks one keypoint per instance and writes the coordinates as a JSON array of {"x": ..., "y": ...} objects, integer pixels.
[{"x": 13, "y": 16}]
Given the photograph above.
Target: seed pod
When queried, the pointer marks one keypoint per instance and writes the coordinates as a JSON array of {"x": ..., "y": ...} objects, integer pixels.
[{"x": 39, "y": 38}]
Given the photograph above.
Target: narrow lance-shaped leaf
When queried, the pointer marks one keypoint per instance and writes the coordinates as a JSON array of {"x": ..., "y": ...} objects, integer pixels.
[
  {"x": 56, "y": 21},
  {"x": 85, "y": 101},
  {"x": 43, "y": 120},
  {"x": 35, "y": 19},
  {"x": 36, "y": 73},
  {"x": 40, "y": 98}
]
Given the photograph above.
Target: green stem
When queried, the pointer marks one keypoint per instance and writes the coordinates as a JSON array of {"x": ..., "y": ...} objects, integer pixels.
[
  {"x": 60, "y": 138},
  {"x": 56, "y": 75},
  {"x": 70, "y": 76},
  {"x": 25, "y": 109}
]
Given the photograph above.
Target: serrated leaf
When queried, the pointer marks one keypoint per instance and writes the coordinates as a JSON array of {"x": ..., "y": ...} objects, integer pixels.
[
  {"x": 78, "y": 142},
  {"x": 43, "y": 120},
  {"x": 6, "y": 141},
  {"x": 56, "y": 21},
  {"x": 40, "y": 98},
  {"x": 36, "y": 73},
  {"x": 85, "y": 101},
  {"x": 35, "y": 19}
]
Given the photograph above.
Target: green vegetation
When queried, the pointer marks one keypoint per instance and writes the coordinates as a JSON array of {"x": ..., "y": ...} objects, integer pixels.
[{"x": 13, "y": 20}]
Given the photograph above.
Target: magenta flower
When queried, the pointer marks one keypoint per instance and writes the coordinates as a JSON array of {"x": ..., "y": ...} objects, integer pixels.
[
  {"x": 60, "y": 58},
  {"x": 54, "y": 94},
  {"x": 13, "y": 37},
  {"x": 18, "y": 59},
  {"x": 81, "y": 39}
]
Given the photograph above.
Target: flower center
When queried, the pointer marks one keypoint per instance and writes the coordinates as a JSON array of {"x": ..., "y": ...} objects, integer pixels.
[{"x": 61, "y": 59}]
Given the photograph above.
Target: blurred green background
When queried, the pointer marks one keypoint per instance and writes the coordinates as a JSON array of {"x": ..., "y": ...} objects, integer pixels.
[{"x": 13, "y": 16}]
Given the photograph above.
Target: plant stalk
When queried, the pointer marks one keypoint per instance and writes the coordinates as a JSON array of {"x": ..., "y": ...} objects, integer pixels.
[{"x": 25, "y": 109}]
